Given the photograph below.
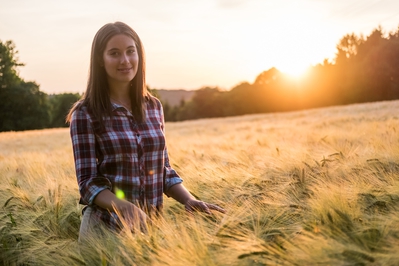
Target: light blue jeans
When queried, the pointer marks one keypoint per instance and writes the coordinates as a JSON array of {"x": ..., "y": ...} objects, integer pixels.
[{"x": 89, "y": 227}]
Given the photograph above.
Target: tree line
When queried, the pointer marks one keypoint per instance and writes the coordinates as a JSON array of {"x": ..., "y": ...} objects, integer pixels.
[
  {"x": 365, "y": 69},
  {"x": 22, "y": 105}
]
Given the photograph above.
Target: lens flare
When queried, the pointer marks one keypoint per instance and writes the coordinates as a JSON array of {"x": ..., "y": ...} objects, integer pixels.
[{"x": 120, "y": 194}]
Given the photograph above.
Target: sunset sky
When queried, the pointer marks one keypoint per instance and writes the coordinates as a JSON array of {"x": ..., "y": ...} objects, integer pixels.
[{"x": 189, "y": 43}]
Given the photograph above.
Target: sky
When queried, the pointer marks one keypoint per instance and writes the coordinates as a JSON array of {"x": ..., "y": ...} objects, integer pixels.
[{"x": 189, "y": 44}]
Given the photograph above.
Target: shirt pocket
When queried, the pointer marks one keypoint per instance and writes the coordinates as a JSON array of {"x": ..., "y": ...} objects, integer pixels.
[{"x": 119, "y": 166}]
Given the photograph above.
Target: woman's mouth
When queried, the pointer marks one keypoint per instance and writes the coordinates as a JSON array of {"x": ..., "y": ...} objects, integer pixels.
[{"x": 125, "y": 70}]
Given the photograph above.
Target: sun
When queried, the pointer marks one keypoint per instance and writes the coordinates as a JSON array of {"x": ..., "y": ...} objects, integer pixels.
[{"x": 295, "y": 71}]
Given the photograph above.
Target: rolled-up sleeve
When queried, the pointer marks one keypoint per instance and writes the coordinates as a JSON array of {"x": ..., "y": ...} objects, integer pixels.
[
  {"x": 84, "y": 143},
  {"x": 171, "y": 177}
]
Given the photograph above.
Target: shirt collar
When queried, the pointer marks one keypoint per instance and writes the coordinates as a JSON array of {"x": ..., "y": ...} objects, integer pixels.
[{"x": 118, "y": 106}]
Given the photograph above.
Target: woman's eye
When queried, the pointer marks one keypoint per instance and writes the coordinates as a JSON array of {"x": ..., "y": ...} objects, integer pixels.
[{"x": 131, "y": 51}]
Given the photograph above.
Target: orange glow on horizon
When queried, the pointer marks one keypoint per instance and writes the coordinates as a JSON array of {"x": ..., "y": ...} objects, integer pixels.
[{"x": 295, "y": 71}]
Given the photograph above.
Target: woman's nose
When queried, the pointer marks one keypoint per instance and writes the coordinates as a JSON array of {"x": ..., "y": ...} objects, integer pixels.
[{"x": 125, "y": 59}]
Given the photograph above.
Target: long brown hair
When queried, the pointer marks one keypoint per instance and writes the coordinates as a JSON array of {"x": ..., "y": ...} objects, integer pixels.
[{"x": 96, "y": 97}]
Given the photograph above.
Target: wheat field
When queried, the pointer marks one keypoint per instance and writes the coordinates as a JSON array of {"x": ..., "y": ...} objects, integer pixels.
[{"x": 312, "y": 187}]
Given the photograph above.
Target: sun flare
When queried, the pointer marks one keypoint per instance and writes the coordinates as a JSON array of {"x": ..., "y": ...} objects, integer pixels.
[{"x": 295, "y": 71}]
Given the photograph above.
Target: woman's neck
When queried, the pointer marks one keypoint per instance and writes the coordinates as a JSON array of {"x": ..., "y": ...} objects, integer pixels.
[
  {"x": 121, "y": 96},
  {"x": 119, "y": 89}
]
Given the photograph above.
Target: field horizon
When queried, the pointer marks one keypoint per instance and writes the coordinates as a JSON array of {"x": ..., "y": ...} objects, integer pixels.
[{"x": 309, "y": 187}]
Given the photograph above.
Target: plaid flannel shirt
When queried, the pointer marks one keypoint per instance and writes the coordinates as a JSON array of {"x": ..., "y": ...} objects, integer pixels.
[{"x": 128, "y": 158}]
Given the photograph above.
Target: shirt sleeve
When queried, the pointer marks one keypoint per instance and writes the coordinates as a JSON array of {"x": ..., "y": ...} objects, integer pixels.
[
  {"x": 171, "y": 177},
  {"x": 83, "y": 144}
]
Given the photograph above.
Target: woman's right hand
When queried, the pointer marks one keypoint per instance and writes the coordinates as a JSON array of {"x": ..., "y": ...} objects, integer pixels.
[{"x": 133, "y": 215}]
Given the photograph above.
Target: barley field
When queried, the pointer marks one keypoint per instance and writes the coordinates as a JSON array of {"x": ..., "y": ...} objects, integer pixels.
[{"x": 312, "y": 187}]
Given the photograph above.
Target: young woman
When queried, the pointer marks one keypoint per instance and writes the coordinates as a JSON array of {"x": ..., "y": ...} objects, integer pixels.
[{"x": 117, "y": 132}]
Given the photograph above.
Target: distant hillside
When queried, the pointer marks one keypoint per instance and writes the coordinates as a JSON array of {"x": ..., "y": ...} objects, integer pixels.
[{"x": 174, "y": 97}]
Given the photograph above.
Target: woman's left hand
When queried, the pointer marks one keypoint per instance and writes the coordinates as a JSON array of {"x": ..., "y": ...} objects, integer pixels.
[
  {"x": 193, "y": 205},
  {"x": 182, "y": 195}
]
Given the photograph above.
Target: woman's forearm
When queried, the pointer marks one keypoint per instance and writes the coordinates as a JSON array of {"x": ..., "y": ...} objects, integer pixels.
[
  {"x": 180, "y": 193},
  {"x": 106, "y": 200},
  {"x": 132, "y": 214}
]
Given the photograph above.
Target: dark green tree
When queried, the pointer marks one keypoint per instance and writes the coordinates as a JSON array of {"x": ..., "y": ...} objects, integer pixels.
[
  {"x": 22, "y": 105},
  {"x": 204, "y": 104},
  {"x": 60, "y": 105},
  {"x": 8, "y": 65}
]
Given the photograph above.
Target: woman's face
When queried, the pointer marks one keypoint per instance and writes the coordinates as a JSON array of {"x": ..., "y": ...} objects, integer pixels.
[{"x": 120, "y": 60}]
